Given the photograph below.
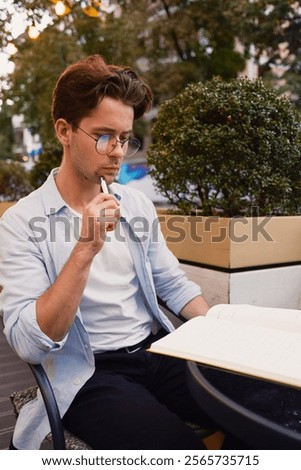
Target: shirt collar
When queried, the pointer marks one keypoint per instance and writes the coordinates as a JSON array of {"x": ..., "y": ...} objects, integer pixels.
[{"x": 52, "y": 199}]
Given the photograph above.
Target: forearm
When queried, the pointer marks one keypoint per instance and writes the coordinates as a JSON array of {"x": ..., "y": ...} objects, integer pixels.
[
  {"x": 56, "y": 308},
  {"x": 197, "y": 306}
]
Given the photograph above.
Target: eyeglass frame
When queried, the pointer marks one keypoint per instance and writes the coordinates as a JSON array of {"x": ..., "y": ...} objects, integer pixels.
[{"x": 121, "y": 142}]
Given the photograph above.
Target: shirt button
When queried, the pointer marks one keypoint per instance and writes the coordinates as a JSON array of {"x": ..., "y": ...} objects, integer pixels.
[{"x": 76, "y": 382}]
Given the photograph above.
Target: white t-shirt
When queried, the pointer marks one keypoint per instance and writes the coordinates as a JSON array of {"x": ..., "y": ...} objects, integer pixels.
[{"x": 112, "y": 306}]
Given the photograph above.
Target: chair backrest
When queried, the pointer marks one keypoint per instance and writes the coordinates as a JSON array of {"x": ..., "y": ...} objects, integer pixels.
[
  {"x": 53, "y": 413},
  {"x": 59, "y": 437}
]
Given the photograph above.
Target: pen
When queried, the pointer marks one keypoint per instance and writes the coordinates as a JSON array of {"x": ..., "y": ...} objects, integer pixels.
[
  {"x": 103, "y": 185},
  {"x": 104, "y": 188}
]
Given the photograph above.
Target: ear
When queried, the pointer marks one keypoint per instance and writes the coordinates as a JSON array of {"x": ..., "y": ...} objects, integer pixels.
[{"x": 63, "y": 131}]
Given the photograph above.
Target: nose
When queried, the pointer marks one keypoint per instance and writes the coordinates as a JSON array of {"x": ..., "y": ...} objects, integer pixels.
[{"x": 117, "y": 150}]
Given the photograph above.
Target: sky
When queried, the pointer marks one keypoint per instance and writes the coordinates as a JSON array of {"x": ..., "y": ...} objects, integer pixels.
[{"x": 17, "y": 27}]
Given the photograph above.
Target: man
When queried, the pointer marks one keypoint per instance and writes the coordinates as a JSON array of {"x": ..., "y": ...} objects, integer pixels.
[{"x": 80, "y": 279}]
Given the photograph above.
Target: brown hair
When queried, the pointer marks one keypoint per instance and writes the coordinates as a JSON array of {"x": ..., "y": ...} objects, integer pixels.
[{"x": 82, "y": 86}]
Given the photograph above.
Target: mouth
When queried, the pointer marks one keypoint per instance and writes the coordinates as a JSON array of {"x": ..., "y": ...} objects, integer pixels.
[{"x": 111, "y": 169}]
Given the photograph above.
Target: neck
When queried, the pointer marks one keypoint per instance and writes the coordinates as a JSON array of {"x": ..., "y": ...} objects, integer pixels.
[{"x": 76, "y": 191}]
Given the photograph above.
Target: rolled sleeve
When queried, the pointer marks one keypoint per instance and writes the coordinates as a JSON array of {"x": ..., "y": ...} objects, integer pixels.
[
  {"x": 23, "y": 277},
  {"x": 28, "y": 340}
]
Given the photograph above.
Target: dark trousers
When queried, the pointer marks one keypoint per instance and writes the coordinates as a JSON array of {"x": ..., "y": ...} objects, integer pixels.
[{"x": 136, "y": 401}]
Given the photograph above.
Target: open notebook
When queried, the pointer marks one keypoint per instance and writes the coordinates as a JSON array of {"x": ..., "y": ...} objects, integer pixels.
[{"x": 257, "y": 341}]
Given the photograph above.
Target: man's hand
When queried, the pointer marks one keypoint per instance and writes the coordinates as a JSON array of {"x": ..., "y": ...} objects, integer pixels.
[{"x": 99, "y": 217}]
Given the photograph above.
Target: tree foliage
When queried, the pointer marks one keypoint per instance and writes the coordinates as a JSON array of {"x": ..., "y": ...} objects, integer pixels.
[
  {"x": 14, "y": 182},
  {"x": 159, "y": 39},
  {"x": 228, "y": 146},
  {"x": 170, "y": 42},
  {"x": 6, "y": 133}
]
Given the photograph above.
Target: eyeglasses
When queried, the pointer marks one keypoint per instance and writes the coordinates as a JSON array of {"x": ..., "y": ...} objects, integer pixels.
[{"x": 106, "y": 143}]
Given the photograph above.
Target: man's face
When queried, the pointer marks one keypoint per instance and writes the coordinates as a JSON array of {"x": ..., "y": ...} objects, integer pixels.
[{"x": 110, "y": 117}]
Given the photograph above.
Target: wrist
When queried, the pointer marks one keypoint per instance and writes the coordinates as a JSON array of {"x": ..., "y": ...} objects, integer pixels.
[{"x": 84, "y": 253}]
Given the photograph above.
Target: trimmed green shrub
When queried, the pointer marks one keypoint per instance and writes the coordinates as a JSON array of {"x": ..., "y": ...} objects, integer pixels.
[{"x": 227, "y": 148}]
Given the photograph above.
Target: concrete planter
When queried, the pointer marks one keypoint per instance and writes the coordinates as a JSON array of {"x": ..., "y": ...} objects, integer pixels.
[{"x": 253, "y": 260}]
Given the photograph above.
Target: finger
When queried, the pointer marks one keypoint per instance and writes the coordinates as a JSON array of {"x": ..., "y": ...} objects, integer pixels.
[
  {"x": 108, "y": 216},
  {"x": 101, "y": 197}
]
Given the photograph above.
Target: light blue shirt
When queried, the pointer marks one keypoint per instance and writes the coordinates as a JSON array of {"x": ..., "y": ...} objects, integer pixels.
[{"x": 34, "y": 248}]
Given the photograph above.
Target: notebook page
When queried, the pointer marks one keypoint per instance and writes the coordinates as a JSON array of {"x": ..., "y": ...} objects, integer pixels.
[{"x": 278, "y": 318}]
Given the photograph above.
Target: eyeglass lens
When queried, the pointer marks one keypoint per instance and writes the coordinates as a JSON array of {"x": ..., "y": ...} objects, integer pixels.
[{"x": 106, "y": 144}]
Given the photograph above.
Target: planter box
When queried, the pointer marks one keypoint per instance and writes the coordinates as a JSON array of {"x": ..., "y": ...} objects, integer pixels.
[
  {"x": 239, "y": 260},
  {"x": 233, "y": 243},
  {"x": 270, "y": 287}
]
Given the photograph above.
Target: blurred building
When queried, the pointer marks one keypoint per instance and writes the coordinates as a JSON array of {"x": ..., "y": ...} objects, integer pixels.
[{"x": 27, "y": 146}]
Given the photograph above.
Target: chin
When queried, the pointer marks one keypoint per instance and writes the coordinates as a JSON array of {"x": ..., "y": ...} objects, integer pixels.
[{"x": 109, "y": 178}]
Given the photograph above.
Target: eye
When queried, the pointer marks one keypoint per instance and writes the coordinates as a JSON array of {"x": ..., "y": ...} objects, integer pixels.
[{"x": 103, "y": 137}]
